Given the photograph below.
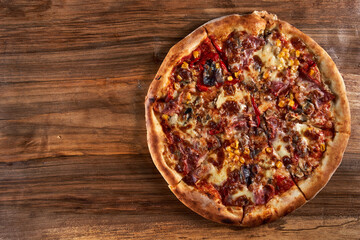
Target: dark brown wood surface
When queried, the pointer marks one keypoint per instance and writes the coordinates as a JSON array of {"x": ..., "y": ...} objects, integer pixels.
[{"x": 74, "y": 161}]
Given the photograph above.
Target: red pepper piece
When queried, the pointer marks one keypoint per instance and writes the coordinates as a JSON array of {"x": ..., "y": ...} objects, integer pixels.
[
  {"x": 201, "y": 87},
  {"x": 217, "y": 47},
  {"x": 258, "y": 120},
  {"x": 257, "y": 111},
  {"x": 223, "y": 66}
]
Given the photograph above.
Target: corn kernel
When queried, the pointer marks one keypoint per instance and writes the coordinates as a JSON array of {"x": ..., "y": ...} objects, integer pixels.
[
  {"x": 279, "y": 164},
  {"x": 291, "y": 103},
  {"x": 280, "y": 67},
  {"x": 281, "y": 54},
  {"x": 231, "y": 155},
  {"x": 228, "y": 149},
  {"x": 178, "y": 77},
  {"x": 236, "y": 158},
  {"x": 236, "y": 144},
  {"x": 165, "y": 116},
  {"x": 322, "y": 147},
  {"x": 196, "y": 54},
  {"x": 266, "y": 75},
  {"x": 311, "y": 72},
  {"x": 217, "y": 65},
  {"x": 268, "y": 150},
  {"x": 291, "y": 96},
  {"x": 237, "y": 74},
  {"x": 282, "y": 103},
  {"x": 296, "y": 62},
  {"x": 242, "y": 160},
  {"x": 286, "y": 50},
  {"x": 287, "y": 54},
  {"x": 291, "y": 62},
  {"x": 246, "y": 151},
  {"x": 237, "y": 151},
  {"x": 185, "y": 65},
  {"x": 230, "y": 78},
  {"x": 188, "y": 96},
  {"x": 294, "y": 68},
  {"x": 278, "y": 43},
  {"x": 282, "y": 61},
  {"x": 297, "y": 53},
  {"x": 176, "y": 86}
]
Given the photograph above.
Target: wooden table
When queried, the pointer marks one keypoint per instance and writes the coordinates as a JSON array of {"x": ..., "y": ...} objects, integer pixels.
[{"x": 74, "y": 159}]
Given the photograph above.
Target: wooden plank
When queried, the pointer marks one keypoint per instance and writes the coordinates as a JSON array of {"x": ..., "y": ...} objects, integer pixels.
[
  {"x": 70, "y": 197},
  {"x": 75, "y": 163}
]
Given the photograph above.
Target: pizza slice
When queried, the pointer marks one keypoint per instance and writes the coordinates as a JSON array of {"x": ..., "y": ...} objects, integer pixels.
[{"x": 305, "y": 152}]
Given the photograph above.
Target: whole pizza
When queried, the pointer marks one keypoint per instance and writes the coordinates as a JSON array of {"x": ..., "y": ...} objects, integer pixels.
[{"x": 247, "y": 119}]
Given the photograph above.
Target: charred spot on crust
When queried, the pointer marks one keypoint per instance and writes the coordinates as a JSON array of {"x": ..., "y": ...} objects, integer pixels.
[
  {"x": 158, "y": 77},
  {"x": 267, "y": 219},
  {"x": 227, "y": 221}
]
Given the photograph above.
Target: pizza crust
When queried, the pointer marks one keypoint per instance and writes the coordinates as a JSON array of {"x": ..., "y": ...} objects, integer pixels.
[
  {"x": 207, "y": 207},
  {"x": 330, "y": 162},
  {"x": 277, "y": 207},
  {"x": 155, "y": 136},
  {"x": 220, "y": 28}
]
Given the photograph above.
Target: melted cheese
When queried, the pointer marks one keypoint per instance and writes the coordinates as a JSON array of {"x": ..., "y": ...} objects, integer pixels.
[
  {"x": 173, "y": 119},
  {"x": 301, "y": 128},
  {"x": 244, "y": 192},
  {"x": 220, "y": 100},
  {"x": 267, "y": 56},
  {"x": 269, "y": 173},
  {"x": 217, "y": 177},
  {"x": 238, "y": 97},
  {"x": 280, "y": 146}
]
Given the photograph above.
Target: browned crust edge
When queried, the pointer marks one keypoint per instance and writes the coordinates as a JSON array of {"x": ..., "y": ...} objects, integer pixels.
[
  {"x": 155, "y": 136},
  {"x": 221, "y": 27},
  {"x": 205, "y": 206},
  {"x": 322, "y": 174},
  {"x": 277, "y": 207}
]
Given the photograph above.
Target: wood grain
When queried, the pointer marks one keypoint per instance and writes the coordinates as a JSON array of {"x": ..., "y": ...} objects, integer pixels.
[{"x": 75, "y": 163}]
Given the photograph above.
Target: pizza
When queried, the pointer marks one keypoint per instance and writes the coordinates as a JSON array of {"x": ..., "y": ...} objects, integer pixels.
[{"x": 247, "y": 119}]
